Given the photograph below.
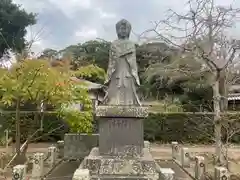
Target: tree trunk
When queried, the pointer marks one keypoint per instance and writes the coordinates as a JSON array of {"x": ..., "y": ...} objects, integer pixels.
[
  {"x": 217, "y": 120},
  {"x": 223, "y": 90},
  {"x": 31, "y": 133},
  {"x": 18, "y": 132}
]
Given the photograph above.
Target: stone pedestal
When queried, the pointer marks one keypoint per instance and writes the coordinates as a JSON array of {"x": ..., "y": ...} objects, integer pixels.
[
  {"x": 120, "y": 129},
  {"x": 121, "y": 153}
]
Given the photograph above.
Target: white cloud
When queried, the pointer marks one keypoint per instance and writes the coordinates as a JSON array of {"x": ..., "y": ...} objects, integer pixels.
[
  {"x": 38, "y": 46},
  {"x": 69, "y": 22},
  {"x": 70, "y": 7},
  {"x": 36, "y": 7},
  {"x": 86, "y": 33},
  {"x": 105, "y": 15}
]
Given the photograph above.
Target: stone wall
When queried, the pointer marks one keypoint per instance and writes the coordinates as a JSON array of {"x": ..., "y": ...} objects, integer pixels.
[{"x": 77, "y": 146}]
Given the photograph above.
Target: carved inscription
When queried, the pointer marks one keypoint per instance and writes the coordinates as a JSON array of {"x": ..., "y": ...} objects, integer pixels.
[
  {"x": 119, "y": 135},
  {"x": 118, "y": 124}
]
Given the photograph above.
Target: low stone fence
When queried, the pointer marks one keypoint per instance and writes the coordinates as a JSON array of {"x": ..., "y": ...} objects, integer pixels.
[
  {"x": 40, "y": 164},
  {"x": 196, "y": 166},
  {"x": 4, "y": 159}
]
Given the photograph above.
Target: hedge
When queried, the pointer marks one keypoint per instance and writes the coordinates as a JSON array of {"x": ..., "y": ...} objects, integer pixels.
[
  {"x": 28, "y": 126},
  {"x": 187, "y": 128}
]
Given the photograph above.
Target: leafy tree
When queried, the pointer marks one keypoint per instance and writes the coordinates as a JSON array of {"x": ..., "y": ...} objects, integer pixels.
[
  {"x": 13, "y": 23},
  {"x": 90, "y": 52},
  {"x": 148, "y": 54},
  {"x": 152, "y": 53},
  {"x": 91, "y": 73},
  {"x": 36, "y": 82},
  {"x": 48, "y": 53},
  {"x": 182, "y": 77},
  {"x": 98, "y": 51},
  {"x": 79, "y": 121}
]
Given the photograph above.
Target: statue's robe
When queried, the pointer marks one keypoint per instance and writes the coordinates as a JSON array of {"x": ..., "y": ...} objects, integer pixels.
[{"x": 122, "y": 74}]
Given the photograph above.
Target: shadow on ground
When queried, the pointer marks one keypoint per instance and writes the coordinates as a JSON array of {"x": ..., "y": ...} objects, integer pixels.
[{"x": 64, "y": 171}]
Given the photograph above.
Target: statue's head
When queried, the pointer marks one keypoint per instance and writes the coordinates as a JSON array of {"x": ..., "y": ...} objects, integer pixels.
[{"x": 123, "y": 28}]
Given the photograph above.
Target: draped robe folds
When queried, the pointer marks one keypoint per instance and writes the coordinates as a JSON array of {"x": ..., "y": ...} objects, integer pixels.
[{"x": 122, "y": 74}]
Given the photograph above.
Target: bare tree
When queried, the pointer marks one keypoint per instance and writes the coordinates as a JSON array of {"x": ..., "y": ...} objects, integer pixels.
[
  {"x": 203, "y": 33},
  {"x": 231, "y": 128}
]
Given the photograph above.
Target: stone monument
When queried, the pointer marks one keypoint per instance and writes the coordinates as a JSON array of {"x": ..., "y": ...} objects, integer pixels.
[{"x": 121, "y": 153}]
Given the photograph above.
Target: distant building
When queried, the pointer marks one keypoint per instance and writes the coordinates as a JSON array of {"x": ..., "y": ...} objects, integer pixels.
[
  {"x": 234, "y": 98},
  {"x": 96, "y": 92}
]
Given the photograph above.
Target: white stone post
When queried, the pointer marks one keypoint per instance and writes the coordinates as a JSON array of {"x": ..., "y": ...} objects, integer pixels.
[
  {"x": 200, "y": 167},
  {"x": 185, "y": 157},
  {"x": 81, "y": 174},
  {"x": 52, "y": 152},
  {"x": 60, "y": 146},
  {"x": 166, "y": 174},
  {"x": 175, "y": 150},
  {"x": 221, "y": 173},
  {"x": 19, "y": 172},
  {"x": 147, "y": 145},
  {"x": 37, "y": 170}
]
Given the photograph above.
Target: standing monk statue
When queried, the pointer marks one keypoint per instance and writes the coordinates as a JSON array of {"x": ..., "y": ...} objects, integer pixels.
[{"x": 122, "y": 74}]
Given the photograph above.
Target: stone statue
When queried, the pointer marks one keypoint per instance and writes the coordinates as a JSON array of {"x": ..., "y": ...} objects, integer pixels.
[{"x": 122, "y": 74}]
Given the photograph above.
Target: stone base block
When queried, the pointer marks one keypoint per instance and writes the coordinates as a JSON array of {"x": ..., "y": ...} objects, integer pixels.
[
  {"x": 118, "y": 135},
  {"x": 122, "y": 111},
  {"x": 81, "y": 174},
  {"x": 77, "y": 146},
  {"x": 114, "y": 167}
]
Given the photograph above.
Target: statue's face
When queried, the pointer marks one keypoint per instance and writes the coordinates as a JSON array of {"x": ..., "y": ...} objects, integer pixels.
[{"x": 123, "y": 31}]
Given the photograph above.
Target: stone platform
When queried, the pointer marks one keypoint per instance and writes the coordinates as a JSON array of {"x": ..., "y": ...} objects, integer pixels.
[
  {"x": 125, "y": 166},
  {"x": 121, "y": 153}
]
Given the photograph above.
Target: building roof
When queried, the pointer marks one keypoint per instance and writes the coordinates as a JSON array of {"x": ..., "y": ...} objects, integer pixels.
[
  {"x": 233, "y": 96},
  {"x": 88, "y": 84},
  {"x": 234, "y": 88}
]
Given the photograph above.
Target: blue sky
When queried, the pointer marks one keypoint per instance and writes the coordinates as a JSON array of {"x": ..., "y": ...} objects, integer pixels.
[{"x": 64, "y": 22}]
